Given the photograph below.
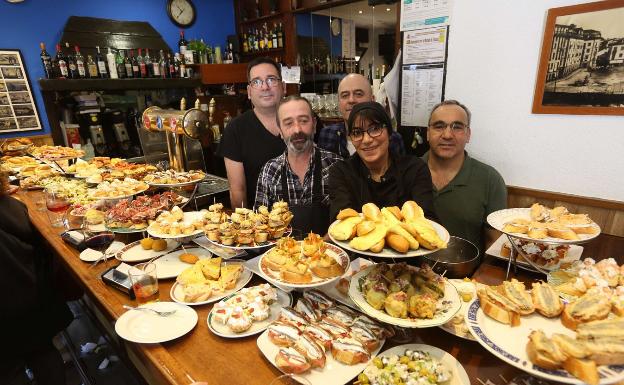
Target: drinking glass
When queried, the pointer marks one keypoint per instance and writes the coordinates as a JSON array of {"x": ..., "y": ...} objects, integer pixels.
[
  {"x": 144, "y": 282},
  {"x": 57, "y": 206},
  {"x": 40, "y": 200},
  {"x": 290, "y": 379}
]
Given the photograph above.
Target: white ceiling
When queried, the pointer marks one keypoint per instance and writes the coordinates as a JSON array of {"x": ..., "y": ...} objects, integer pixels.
[{"x": 380, "y": 15}]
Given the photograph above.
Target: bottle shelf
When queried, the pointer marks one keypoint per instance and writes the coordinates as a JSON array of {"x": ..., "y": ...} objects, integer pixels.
[
  {"x": 115, "y": 84},
  {"x": 266, "y": 52},
  {"x": 262, "y": 18}
]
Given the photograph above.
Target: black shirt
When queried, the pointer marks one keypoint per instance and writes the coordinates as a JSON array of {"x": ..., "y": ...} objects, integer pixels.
[
  {"x": 246, "y": 140},
  {"x": 408, "y": 178}
]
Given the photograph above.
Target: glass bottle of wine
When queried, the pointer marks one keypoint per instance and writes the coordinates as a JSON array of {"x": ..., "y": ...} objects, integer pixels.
[
  {"x": 61, "y": 61},
  {"x": 101, "y": 63},
  {"x": 46, "y": 61},
  {"x": 80, "y": 63}
]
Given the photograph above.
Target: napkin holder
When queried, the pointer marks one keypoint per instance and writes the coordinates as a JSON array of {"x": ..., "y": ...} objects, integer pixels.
[
  {"x": 119, "y": 279},
  {"x": 75, "y": 238}
]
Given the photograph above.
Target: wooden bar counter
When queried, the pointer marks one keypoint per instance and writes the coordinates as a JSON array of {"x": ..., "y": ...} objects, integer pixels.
[{"x": 204, "y": 357}]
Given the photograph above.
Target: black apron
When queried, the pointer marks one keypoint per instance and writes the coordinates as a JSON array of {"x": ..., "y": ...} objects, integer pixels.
[{"x": 313, "y": 217}]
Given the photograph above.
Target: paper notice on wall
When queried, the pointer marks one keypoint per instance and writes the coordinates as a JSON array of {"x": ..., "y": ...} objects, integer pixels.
[
  {"x": 291, "y": 75},
  {"x": 421, "y": 89},
  {"x": 424, "y": 13},
  {"x": 424, "y": 45},
  {"x": 348, "y": 38}
]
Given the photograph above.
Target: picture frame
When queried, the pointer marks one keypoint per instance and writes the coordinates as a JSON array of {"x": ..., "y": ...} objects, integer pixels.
[
  {"x": 18, "y": 107},
  {"x": 581, "y": 67}
]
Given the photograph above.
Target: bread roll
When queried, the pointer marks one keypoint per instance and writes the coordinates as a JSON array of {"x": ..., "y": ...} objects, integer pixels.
[
  {"x": 346, "y": 213},
  {"x": 396, "y": 211},
  {"x": 557, "y": 230},
  {"x": 364, "y": 228},
  {"x": 345, "y": 229},
  {"x": 378, "y": 247},
  {"x": 371, "y": 211},
  {"x": 397, "y": 242}
]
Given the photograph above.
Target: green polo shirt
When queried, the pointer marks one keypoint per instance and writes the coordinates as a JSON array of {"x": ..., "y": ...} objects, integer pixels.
[{"x": 463, "y": 205}]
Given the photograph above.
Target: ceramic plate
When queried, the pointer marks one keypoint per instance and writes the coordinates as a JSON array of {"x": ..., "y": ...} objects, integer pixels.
[
  {"x": 388, "y": 252},
  {"x": 457, "y": 324},
  {"x": 458, "y": 373},
  {"x": 333, "y": 251},
  {"x": 177, "y": 292},
  {"x": 189, "y": 216},
  {"x": 283, "y": 299},
  {"x": 218, "y": 250},
  {"x": 149, "y": 328},
  {"x": 255, "y": 246},
  {"x": 171, "y": 185},
  {"x": 509, "y": 344},
  {"x": 334, "y": 372},
  {"x": 447, "y": 306},
  {"x": 497, "y": 220},
  {"x": 134, "y": 252},
  {"x": 331, "y": 290},
  {"x": 170, "y": 265},
  {"x": 574, "y": 254},
  {"x": 119, "y": 197}
]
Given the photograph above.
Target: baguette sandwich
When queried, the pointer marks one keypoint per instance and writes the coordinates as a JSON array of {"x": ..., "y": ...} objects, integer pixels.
[
  {"x": 546, "y": 300},
  {"x": 591, "y": 306},
  {"x": 495, "y": 305},
  {"x": 515, "y": 292},
  {"x": 604, "y": 339}
]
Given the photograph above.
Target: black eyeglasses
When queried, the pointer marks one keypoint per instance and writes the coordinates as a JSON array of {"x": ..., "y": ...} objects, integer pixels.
[
  {"x": 270, "y": 82},
  {"x": 456, "y": 127},
  {"x": 373, "y": 131}
]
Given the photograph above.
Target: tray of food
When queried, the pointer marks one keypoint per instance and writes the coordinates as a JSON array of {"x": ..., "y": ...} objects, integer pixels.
[
  {"x": 339, "y": 290},
  {"x": 322, "y": 342},
  {"x": 546, "y": 256},
  {"x": 137, "y": 214},
  {"x": 208, "y": 279},
  {"x": 404, "y": 295},
  {"x": 119, "y": 189},
  {"x": 246, "y": 229},
  {"x": 146, "y": 249},
  {"x": 172, "y": 178},
  {"x": 467, "y": 290},
  {"x": 389, "y": 232},
  {"x": 578, "y": 342},
  {"x": 177, "y": 224},
  {"x": 55, "y": 152},
  {"x": 540, "y": 223},
  {"x": 302, "y": 264},
  {"x": 16, "y": 144},
  {"x": 576, "y": 279},
  {"x": 414, "y": 364},
  {"x": 249, "y": 311},
  {"x": 15, "y": 163}
]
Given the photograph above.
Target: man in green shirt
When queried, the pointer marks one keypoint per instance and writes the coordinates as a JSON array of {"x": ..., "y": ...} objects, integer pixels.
[{"x": 465, "y": 190}]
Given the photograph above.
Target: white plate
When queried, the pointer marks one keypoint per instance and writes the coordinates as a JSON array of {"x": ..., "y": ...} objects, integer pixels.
[
  {"x": 147, "y": 327},
  {"x": 225, "y": 253},
  {"x": 119, "y": 197},
  {"x": 497, "y": 220},
  {"x": 334, "y": 372},
  {"x": 134, "y": 252},
  {"x": 458, "y": 373},
  {"x": 189, "y": 216},
  {"x": 451, "y": 297},
  {"x": 283, "y": 299},
  {"x": 170, "y": 266},
  {"x": 90, "y": 255},
  {"x": 330, "y": 288},
  {"x": 177, "y": 293},
  {"x": 388, "y": 252},
  {"x": 171, "y": 185},
  {"x": 509, "y": 344},
  {"x": 574, "y": 254},
  {"x": 252, "y": 265},
  {"x": 332, "y": 250},
  {"x": 255, "y": 246},
  {"x": 124, "y": 230},
  {"x": 448, "y": 327}
]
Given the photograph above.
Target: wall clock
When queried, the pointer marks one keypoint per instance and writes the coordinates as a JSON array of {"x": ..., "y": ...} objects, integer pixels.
[
  {"x": 181, "y": 12},
  {"x": 335, "y": 27}
]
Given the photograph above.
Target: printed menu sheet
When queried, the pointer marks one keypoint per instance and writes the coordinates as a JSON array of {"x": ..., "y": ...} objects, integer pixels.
[
  {"x": 421, "y": 89},
  {"x": 424, "y": 13},
  {"x": 17, "y": 106}
]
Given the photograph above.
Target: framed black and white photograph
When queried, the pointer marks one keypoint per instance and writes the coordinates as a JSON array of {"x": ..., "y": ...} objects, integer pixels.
[
  {"x": 581, "y": 68},
  {"x": 18, "y": 108}
]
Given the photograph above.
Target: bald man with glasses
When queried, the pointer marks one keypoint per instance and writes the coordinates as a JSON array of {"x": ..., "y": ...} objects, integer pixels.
[
  {"x": 465, "y": 190},
  {"x": 253, "y": 138}
]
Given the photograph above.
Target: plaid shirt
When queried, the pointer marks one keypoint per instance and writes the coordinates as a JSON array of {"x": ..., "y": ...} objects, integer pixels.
[
  {"x": 334, "y": 138},
  {"x": 269, "y": 188}
]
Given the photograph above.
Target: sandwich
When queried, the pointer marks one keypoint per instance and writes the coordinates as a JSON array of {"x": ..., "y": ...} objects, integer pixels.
[
  {"x": 497, "y": 306},
  {"x": 589, "y": 307},
  {"x": 543, "y": 352},
  {"x": 515, "y": 291},
  {"x": 546, "y": 300}
]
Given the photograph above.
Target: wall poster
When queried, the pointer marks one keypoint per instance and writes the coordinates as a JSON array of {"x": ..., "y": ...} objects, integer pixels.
[{"x": 18, "y": 111}]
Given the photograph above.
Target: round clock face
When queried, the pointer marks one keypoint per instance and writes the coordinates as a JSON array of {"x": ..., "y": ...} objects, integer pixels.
[
  {"x": 335, "y": 27},
  {"x": 182, "y": 12}
]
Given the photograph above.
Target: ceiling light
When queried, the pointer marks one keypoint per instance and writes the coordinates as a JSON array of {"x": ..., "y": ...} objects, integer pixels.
[{"x": 360, "y": 12}]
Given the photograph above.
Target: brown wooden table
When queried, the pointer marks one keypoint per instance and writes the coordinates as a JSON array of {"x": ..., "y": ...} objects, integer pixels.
[{"x": 203, "y": 356}]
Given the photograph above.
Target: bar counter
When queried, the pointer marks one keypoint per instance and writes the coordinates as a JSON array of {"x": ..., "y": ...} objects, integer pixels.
[{"x": 204, "y": 357}]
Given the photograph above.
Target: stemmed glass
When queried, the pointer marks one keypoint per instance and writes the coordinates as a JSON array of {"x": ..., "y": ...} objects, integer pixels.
[
  {"x": 290, "y": 379},
  {"x": 99, "y": 241},
  {"x": 57, "y": 205}
]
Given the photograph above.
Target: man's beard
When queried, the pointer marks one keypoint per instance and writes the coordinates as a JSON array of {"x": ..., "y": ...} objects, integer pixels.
[{"x": 299, "y": 147}]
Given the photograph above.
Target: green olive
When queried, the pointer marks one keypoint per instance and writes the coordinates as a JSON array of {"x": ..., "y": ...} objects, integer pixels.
[
  {"x": 363, "y": 379},
  {"x": 377, "y": 362},
  {"x": 404, "y": 359},
  {"x": 412, "y": 366}
]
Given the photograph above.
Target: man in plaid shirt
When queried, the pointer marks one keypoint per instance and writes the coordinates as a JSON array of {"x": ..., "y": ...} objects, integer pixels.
[
  {"x": 298, "y": 176},
  {"x": 353, "y": 89}
]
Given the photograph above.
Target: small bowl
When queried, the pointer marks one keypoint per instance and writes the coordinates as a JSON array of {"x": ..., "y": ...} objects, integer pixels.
[{"x": 459, "y": 259}]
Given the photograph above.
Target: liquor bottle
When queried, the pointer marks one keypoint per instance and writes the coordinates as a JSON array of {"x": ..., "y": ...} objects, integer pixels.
[
  {"x": 92, "y": 70},
  {"x": 280, "y": 37},
  {"x": 176, "y": 66},
  {"x": 148, "y": 64},
  {"x": 46, "y": 61},
  {"x": 182, "y": 66},
  {"x": 261, "y": 40},
  {"x": 274, "y": 36},
  {"x": 61, "y": 62},
  {"x": 245, "y": 43},
  {"x": 136, "y": 70},
  {"x": 120, "y": 65},
  {"x": 173, "y": 72},
  {"x": 142, "y": 66},
  {"x": 112, "y": 65},
  {"x": 269, "y": 37},
  {"x": 128, "y": 65},
  {"x": 80, "y": 64},
  {"x": 101, "y": 63},
  {"x": 256, "y": 40},
  {"x": 162, "y": 66},
  {"x": 182, "y": 43},
  {"x": 156, "y": 66},
  {"x": 72, "y": 69}
]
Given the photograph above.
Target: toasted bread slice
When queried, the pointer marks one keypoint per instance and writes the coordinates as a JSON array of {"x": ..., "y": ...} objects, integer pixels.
[
  {"x": 211, "y": 267},
  {"x": 498, "y": 307},
  {"x": 589, "y": 307},
  {"x": 515, "y": 291},
  {"x": 585, "y": 370},
  {"x": 546, "y": 300},
  {"x": 606, "y": 351},
  {"x": 543, "y": 352},
  {"x": 607, "y": 328},
  {"x": 570, "y": 346}
]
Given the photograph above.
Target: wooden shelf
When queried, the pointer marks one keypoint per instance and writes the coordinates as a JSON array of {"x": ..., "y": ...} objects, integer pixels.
[
  {"x": 115, "y": 84},
  {"x": 222, "y": 73},
  {"x": 319, "y": 77},
  {"x": 266, "y": 52},
  {"x": 262, "y": 18}
]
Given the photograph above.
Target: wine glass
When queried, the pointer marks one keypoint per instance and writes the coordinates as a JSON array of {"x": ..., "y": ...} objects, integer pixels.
[
  {"x": 290, "y": 379},
  {"x": 57, "y": 205},
  {"x": 99, "y": 241}
]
